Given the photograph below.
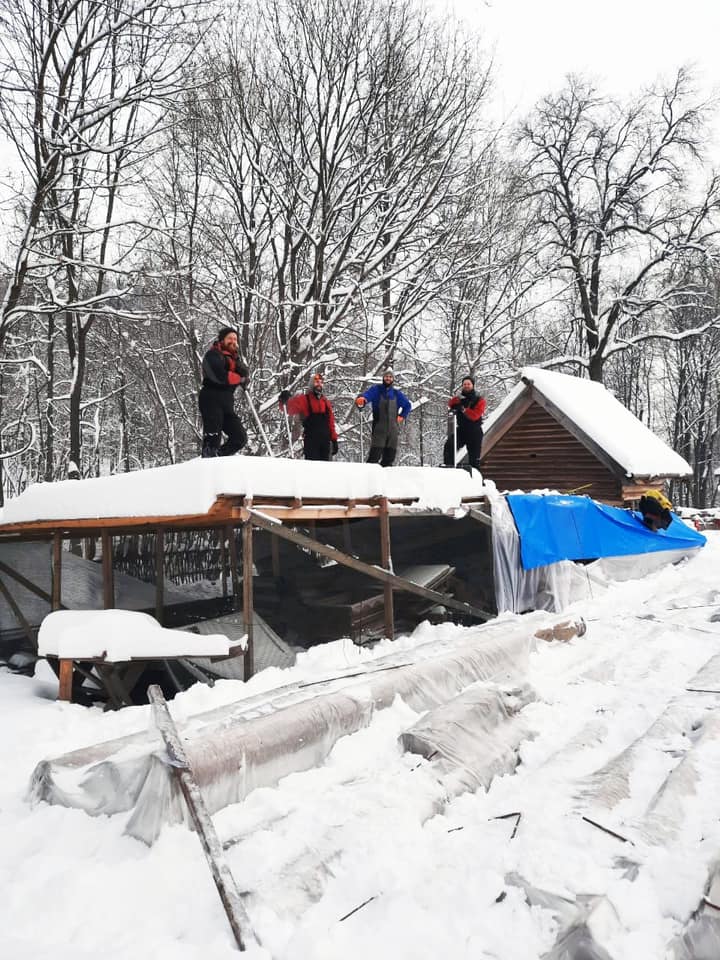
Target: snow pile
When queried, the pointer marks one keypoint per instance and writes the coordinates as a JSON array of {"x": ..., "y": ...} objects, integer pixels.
[
  {"x": 605, "y": 836},
  {"x": 186, "y": 489},
  {"x": 604, "y": 420},
  {"x": 117, "y": 635}
]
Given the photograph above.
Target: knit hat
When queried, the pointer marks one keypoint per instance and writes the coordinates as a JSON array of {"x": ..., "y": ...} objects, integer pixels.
[
  {"x": 224, "y": 331},
  {"x": 388, "y": 372}
]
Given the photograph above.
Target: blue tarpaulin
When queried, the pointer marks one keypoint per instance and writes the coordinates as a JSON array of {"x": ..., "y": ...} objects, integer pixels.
[{"x": 556, "y": 527}]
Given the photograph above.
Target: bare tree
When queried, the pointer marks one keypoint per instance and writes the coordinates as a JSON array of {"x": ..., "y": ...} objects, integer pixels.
[
  {"x": 83, "y": 87},
  {"x": 618, "y": 203}
]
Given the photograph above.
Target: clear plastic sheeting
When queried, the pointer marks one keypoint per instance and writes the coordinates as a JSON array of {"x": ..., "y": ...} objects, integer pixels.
[
  {"x": 700, "y": 940},
  {"x": 475, "y": 736},
  {"x": 553, "y": 587},
  {"x": 256, "y": 742}
]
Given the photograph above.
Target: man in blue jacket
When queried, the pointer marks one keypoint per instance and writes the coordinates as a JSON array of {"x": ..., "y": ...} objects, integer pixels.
[{"x": 390, "y": 408}]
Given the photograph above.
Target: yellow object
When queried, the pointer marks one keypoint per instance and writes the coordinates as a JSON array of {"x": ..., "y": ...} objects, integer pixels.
[{"x": 661, "y": 499}]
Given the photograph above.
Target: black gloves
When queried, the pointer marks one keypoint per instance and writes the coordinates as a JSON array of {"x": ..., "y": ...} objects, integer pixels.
[
  {"x": 334, "y": 448},
  {"x": 284, "y": 397}
]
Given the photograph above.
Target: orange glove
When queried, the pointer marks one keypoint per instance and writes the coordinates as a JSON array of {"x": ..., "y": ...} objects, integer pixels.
[
  {"x": 401, "y": 419},
  {"x": 360, "y": 402}
]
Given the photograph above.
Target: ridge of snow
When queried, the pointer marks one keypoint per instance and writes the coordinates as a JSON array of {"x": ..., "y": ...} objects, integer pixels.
[{"x": 192, "y": 487}]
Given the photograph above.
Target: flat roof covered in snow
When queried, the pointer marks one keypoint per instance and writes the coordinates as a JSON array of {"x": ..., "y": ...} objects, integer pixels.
[{"x": 193, "y": 490}]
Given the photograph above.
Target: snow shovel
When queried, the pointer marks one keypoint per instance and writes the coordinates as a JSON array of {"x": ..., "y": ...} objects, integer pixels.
[
  {"x": 362, "y": 441},
  {"x": 289, "y": 432},
  {"x": 258, "y": 424}
]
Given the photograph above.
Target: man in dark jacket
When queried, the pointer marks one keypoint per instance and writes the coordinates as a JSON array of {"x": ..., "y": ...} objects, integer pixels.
[
  {"x": 316, "y": 413},
  {"x": 390, "y": 408},
  {"x": 223, "y": 373},
  {"x": 468, "y": 408}
]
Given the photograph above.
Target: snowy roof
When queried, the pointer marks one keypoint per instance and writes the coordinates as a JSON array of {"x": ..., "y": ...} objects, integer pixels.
[
  {"x": 118, "y": 635},
  {"x": 602, "y": 419},
  {"x": 191, "y": 488}
]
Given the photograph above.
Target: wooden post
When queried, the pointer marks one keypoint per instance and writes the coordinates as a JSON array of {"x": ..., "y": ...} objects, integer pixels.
[
  {"x": 247, "y": 558},
  {"x": 223, "y": 562},
  {"x": 232, "y": 553},
  {"x": 56, "y": 588},
  {"x": 386, "y": 561},
  {"x": 224, "y": 880},
  {"x": 107, "y": 571},
  {"x": 66, "y": 679},
  {"x": 275, "y": 554},
  {"x": 159, "y": 575}
]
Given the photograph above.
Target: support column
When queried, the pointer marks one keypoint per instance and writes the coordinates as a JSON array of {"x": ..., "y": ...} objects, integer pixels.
[
  {"x": 107, "y": 571},
  {"x": 386, "y": 561},
  {"x": 232, "y": 553},
  {"x": 56, "y": 590},
  {"x": 160, "y": 576},
  {"x": 247, "y": 559},
  {"x": 66, "y": 679}
]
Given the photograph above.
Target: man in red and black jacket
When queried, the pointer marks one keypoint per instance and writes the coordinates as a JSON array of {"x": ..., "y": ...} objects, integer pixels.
[
  {"x": 469, "y": 408},
  {"x": 223, "y": 373},
  {"x": 318, "y": 420}
]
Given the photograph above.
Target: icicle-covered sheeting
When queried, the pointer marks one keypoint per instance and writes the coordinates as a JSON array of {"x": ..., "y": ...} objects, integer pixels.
[
  {"x": 256, "y": 742},
  {"x": 476, "y": 735}
]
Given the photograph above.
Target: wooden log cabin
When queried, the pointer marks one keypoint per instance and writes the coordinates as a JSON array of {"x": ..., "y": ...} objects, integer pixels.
[{"x": 565, "y": 433}]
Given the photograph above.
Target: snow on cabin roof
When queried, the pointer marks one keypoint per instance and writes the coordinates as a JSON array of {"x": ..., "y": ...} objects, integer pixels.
[
  {"x": 603, "y": 419},
  {"x": 190, "y": 488}
]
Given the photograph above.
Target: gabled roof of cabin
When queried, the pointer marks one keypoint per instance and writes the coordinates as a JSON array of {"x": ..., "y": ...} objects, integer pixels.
[{"x": 595, "y": 417}]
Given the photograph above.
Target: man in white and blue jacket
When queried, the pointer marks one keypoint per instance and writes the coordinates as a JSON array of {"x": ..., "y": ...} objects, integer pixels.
[{"x": 390, "y": 408}]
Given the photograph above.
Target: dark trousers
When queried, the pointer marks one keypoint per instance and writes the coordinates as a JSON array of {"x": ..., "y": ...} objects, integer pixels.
[
  {"x": 218, "y": 416},
  {"x": 316, "y": 448},
  {"x": 471, "y": 440},
  {"x": 385, "y": 456}
]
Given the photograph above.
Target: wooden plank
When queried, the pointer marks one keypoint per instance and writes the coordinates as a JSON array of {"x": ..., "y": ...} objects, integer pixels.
[
  {"x": 56, "y": 590},
  {"x": 247, "y": 560},
  {"x": 66, "y": 680},
  {"x": 159, "y": 575},
  {"x": 370, "y": 570},
  {"x": 224, "y": 881},
  {"x": 386, "y": 560},
  {"x": 107, "y": 571}
]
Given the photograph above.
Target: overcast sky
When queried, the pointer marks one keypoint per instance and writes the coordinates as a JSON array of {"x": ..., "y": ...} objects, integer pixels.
[{"x": 625, "y": 44}]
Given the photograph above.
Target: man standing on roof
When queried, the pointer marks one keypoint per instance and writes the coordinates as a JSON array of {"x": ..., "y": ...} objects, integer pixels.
[
  {"x": 223, "y": 372},
  {"x": 316, "y": 413},
  {"x": 468, "y": 408},
  {"x": 390, "y": 407}
]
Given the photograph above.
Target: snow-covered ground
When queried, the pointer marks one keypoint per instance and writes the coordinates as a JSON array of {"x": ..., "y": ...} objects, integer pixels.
[{"x": 616, "y": 737}]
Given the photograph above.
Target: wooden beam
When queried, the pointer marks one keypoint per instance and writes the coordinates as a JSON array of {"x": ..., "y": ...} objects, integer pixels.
[
  {"x": 232, "y": 554},
  {"x": 56, "y": 601},
  {"x": 19, "y": 615},
  {"x": 247, "y": 560},
  {"x": 179, "y": 764},
  {"x": 66, "y": 680},
  {"x": 370, "y": 570},
  {"x": 275, "y": 555},
  {"x": 386, "y": 560},
  {"x": 160, "y": 575},
  {"x": 28, "y": 584},
  {"x": 107, "y": 571}
]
